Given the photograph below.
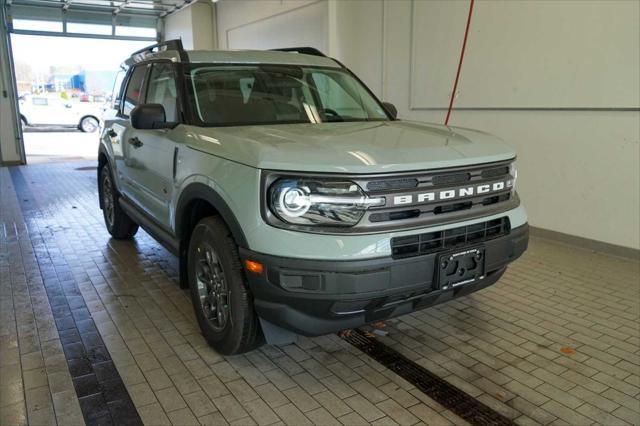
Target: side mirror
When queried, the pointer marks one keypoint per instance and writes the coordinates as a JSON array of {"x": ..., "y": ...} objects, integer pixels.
[
  {"x": 391, "y": 109},
  {"x": 150, "y": 116}
]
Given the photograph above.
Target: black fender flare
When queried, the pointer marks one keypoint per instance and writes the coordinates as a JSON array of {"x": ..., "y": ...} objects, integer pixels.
[{"x": 201, "y": 191}]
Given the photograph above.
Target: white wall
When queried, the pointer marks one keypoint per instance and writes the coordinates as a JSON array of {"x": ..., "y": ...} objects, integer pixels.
[
  {"x": 540, "y": 75},
  {"x": 270, "y": 24},
  {"x": 579, "y": 169},
  {"x": 8, "y": 145},
  {"x": 178, "y": 26},
  {"x": 194, "y": 25}
]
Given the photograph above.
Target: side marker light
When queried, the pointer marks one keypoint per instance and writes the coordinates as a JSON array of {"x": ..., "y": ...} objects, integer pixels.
[{"x": 254, "y": 267}]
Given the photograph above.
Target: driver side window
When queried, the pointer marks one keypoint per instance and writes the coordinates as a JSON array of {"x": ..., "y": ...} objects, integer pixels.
[
  {"x": 134, "y": 89},
  {"x": 162, "y": 89}
]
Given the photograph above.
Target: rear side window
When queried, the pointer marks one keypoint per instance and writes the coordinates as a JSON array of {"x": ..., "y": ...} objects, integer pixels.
[
  {"x": 162, "y": 89},
  {"x": 134, "y": 90}
]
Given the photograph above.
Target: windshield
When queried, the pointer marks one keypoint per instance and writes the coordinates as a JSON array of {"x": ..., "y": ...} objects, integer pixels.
[{"x": 227, "y": 95}]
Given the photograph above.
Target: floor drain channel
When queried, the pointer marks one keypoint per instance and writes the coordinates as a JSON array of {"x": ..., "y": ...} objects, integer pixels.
[{"x": 441, "y": 391}]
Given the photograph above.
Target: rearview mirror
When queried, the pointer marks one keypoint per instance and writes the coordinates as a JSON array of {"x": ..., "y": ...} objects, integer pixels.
[
  {"x": 391, "y": 109},
  {"x": 150, "y": 116}
]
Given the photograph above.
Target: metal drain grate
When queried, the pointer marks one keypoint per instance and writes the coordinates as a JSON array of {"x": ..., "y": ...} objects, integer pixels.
[{"x": 463, "y": 405}]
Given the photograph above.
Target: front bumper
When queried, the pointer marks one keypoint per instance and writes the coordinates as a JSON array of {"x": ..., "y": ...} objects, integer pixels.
[{"x": 315, "y": 297}]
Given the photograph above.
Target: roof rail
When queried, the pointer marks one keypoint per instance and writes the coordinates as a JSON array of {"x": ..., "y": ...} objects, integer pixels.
[
  {"x": 165, "y": 46},
  {"x": 304, "y": 50}
]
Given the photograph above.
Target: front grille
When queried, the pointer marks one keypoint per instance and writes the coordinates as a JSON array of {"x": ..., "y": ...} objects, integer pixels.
[
  {"x": 498, "y": 171},
  {"x": 392, "y": 184},
  {"x": 451, "y": 179},
  {"x": 431, "y": 242},
  {"x": 415, "y": 199}
]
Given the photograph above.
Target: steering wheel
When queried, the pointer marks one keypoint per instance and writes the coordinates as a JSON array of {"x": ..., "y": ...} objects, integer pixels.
[{"x": 334, "y": 115}]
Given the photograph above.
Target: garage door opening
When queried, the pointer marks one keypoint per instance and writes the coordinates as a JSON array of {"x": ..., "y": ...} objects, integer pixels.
[{"x": 65, "y": 87}]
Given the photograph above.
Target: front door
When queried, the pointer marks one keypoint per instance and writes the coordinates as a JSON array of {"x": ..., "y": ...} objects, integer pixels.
[
  {"x": 151, "y": 152},
  {"x": 124, "y": 135}
]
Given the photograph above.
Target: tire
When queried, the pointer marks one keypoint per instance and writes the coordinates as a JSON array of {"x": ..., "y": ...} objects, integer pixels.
[
  {"x": 119, "y": 225},
  {"x": 89, "y": 124},
  {"x": 216, "y": 278}
]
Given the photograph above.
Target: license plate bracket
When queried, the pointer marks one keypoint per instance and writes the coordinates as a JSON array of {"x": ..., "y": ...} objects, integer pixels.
[{"x": 460, "y": 267}]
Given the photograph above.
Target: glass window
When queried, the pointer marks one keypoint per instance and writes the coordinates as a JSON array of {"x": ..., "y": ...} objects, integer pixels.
[
  {"x": 132, "y": 97},
  {"x": 117, "y": 89},
  {"x": 35, "y": 25},
  {"x": 136, "y": 32},
  {"x": 76, "y": 27},
  {"x": 260, "y": 94},
  {"x": 340, "y": 94},
  {"x": 162, "y": 89}
]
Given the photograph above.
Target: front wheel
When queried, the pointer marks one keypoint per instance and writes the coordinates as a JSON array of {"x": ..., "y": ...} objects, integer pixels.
[
  {"x": 219, "y": 291},
  {"x": 89, "y": 124},
  {"x": 119, "y": 225}
]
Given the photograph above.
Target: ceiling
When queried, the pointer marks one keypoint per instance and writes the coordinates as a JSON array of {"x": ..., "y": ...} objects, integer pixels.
[{"x": 155, "y": 8}]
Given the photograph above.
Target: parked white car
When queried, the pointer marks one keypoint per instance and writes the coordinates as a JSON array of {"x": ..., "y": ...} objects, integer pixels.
[{"x": 45, "y": 110}]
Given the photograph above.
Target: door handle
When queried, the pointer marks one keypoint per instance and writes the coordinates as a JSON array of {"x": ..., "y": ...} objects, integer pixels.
[
  {"x": 111, "y": 133},
  {"x": 137, "y": 143}
]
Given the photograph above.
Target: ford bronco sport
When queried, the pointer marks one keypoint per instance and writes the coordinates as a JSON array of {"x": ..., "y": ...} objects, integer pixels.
[{"x": 295, "y": 200}]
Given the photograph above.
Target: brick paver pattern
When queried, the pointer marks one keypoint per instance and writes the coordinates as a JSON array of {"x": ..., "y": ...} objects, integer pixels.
[{"x": 555, "y": 341}]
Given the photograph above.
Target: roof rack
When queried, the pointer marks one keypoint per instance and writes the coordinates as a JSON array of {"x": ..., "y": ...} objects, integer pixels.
[{"x": 304, "y": 50}]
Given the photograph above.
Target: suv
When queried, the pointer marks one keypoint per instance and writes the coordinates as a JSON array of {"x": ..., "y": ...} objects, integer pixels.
[
  {"x": 55, "y": 111},
  {"x": 295, "y": 200}
]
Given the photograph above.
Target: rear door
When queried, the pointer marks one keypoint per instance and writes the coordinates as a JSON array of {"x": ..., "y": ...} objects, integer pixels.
[{"x": 153, "y": 153}]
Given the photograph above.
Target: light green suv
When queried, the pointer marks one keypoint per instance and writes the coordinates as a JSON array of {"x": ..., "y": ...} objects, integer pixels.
[{"x": 296, "y": 201}]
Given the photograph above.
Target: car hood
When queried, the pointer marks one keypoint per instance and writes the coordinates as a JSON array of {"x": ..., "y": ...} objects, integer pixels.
[{"x": 356, "y": 147}]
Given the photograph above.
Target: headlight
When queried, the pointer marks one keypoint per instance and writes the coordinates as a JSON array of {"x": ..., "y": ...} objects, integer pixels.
[
  {"x": 310, "y": 201},
  {"x": 513, "y": 171}
]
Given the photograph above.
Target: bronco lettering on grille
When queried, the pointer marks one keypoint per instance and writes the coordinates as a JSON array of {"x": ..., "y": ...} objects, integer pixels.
[{"x": 451, "y": 193}]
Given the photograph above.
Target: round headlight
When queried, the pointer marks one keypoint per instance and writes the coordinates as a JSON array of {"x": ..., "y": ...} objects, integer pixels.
[{"x": 293, "y": 202}]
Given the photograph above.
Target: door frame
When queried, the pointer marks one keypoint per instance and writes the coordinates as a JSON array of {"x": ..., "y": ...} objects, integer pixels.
[{"x": 11, "y": 91}]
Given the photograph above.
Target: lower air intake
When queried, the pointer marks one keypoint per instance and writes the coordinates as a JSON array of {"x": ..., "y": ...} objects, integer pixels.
[{"x": 430, "y": 242}]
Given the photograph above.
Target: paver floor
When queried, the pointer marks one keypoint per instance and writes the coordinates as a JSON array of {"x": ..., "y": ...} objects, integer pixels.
[{"x": 555, "y": 341}]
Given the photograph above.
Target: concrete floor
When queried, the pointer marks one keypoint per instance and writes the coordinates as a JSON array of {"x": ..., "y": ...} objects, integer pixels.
[
  {"x": 555, "y": 341},
  {"x": 51, "y": 144}
]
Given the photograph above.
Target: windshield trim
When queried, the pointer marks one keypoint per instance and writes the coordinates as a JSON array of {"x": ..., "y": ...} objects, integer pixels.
[{"x": 197, "y": 121}]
